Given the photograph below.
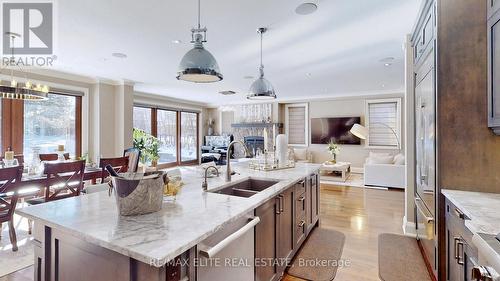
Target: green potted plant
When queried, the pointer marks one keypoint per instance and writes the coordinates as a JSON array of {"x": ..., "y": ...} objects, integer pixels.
[{"x": 149, "y": 146}]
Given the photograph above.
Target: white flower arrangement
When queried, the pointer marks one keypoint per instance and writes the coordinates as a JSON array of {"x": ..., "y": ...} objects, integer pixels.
[{"x": 333, "y": 148}]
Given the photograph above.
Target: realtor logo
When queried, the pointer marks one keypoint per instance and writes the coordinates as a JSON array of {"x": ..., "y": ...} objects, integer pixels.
[{"x": 33, "y": 22}]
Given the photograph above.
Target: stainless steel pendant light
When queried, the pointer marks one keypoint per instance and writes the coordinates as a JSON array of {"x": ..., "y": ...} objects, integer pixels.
[
  {"x": 261, "y": 89},
  {"x": 199, "y": 65},
  {"x": 18, "y": 91}
]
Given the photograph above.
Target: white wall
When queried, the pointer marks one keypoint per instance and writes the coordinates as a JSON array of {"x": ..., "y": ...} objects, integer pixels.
[{"x": 346, "y": 107}]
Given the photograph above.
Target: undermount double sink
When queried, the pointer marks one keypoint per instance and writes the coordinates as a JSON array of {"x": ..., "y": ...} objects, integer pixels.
[{"x": 245, "y": 188}]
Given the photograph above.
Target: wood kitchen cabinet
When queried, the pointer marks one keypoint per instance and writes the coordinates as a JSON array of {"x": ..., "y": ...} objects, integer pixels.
[
  {"x": 285, "y": 222},
  {"x": 286, "y": 229},
  {"x": 494, "y": 66},
  {"x": 300, "y": 213},
  {"x": 461, "y": 255},
  {"x": 312, "y": 197},
  {"x": 266, "y": 239},
  {"x": 493, "y": 6}
]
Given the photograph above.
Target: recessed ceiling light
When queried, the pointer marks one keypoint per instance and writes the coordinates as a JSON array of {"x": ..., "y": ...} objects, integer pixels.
[
  {"x": 248, "y": 77},
  {"x": 383, "y": 85},
  {"x": 119, "y": 55},
  {"x": 387, "y": 64},
  {"x": 176, "y": 41},
  {"x": 306, "y": 8},
  {"x": 227, "y": 93}
]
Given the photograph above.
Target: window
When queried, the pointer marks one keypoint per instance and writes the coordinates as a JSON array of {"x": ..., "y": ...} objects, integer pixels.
[
  {"x": 383, "y": 118},
  {"x": 142, "y": 118},
  {"x": 167, "y": 134},
  {"x": 297, "y": 124},
  {"x": 44, "y": 127},
  {"x": 189, "y": 136},
  {"x": 177, "y": 131},
  {"x": 44, "y": 124}
]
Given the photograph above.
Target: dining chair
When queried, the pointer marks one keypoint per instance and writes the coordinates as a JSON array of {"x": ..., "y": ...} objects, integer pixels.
[
  {"x": 119, "y": 164},
  {"x": 52, "y": 156},
  {"x": 19, "y": 157},
  {"x": 9, "y": 180},
  {"x": 134, "y": 155},
  {"x": 63, "y": 180}
]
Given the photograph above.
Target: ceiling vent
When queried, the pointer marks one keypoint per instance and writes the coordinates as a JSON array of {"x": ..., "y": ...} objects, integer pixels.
[{"x": 227, "y": 93}]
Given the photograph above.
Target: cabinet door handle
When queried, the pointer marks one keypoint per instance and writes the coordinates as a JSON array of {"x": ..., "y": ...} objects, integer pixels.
[
  {"x": 211, "y": 251},
  {"x": 301, "y": 198},
  {"x": 301, "y": 224},
  {"x": 458, "y": 243},
  {"x": 278, "y": 205},
  {"x": 302, "y": 182},
  {"x": 282, "y": 202}
]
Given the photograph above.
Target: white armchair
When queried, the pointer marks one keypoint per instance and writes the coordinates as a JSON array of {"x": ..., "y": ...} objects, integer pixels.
[
  {"x": 302, "y": 155},
  {"x": 385, "y": 170}
]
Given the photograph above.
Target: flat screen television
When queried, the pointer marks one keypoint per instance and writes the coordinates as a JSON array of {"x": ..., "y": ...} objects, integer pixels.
[{"x": 337, "y": 129}]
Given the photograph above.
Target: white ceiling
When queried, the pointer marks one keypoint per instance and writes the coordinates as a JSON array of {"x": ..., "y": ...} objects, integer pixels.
[{"x": 340, "y": 45}]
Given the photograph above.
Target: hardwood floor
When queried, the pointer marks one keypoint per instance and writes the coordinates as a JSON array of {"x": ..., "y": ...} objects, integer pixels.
[
  {"x": 21, "y": 275},
  {"x": 361, "y": 214}
]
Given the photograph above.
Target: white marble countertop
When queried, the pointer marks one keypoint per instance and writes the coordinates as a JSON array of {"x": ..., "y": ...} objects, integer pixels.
[
  {"x": 483, "y": 212},
  {"x": 181, "y": 224}
]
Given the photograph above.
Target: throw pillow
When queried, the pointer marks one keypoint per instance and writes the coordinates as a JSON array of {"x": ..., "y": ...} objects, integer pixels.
[
  {"x": 381, "y": 160},
  {"x": 300, "y": 153},
  {"x": 378, "y": 154}
]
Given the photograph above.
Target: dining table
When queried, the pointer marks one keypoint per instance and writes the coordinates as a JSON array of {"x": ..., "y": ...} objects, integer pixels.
[{"x": 33, "y": 184}]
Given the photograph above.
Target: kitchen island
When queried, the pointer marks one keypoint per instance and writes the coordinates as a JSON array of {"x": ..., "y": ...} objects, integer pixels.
[
  {"x": 84, "y": 238},
  {"x": 472, "y": 224}
]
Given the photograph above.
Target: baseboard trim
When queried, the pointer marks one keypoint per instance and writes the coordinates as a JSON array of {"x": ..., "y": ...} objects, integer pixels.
[
  {"x": 409, "y": 228},
  {"x": 357, "y": 170}
]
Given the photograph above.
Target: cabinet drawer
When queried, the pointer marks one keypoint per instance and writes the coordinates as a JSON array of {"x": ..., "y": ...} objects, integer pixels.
[
  {"x": 300, "y": 187},
  {"x": 300, "y": 207},
  {"x": 493, "y": 72},
  {"x": 493, "y": 7},
  {"x": 456, "y": 218},
  {"x": 300, "y": 232},
  {"x": 425, "y": 35},
  {"x": 454, "y": 215}
]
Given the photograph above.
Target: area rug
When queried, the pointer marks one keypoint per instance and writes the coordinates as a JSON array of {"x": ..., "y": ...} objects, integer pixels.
[
  {"x": 399, "y": 259},
  {"x": 320, "y": 256},
  {"x": 354, "y": 180},
  {"x": 13, "y": 261}
]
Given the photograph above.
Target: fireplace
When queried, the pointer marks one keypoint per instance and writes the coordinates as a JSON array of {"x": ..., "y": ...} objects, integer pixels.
[{"x": 253, "y": 143}]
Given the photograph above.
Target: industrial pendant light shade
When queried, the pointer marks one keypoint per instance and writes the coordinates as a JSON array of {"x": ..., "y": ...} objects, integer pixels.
[
  {"x": 261, "y": 89},
  {"x": 199, "y": 65}
]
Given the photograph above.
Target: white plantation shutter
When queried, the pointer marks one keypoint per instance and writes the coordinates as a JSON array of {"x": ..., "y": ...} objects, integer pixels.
[
  {"x": 380, "y": 116},
  {"x": 296, "y": 124}
]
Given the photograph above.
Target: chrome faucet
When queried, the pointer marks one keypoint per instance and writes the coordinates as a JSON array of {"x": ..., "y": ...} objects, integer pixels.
[
  {"x": 204, "y": 185},
  {"x": 229, "y": 172}
]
